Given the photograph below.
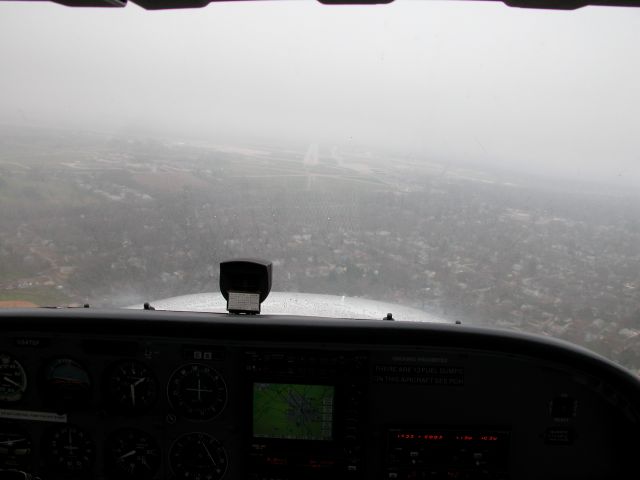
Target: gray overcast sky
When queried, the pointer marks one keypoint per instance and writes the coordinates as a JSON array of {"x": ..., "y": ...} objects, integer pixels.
[{"x": 548, "y": 91}]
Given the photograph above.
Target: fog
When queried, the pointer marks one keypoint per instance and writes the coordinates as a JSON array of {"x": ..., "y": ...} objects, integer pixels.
[{"x": 553, "y": 93}]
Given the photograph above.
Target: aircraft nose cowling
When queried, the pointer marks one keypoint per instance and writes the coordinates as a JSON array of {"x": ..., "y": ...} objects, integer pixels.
[{"x": 303, "y": 304}]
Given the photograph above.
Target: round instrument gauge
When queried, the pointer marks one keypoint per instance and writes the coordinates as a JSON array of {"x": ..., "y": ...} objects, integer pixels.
[
  {"x": 132, "y": 453},
  {"x": 131, "y": 387},
  {"x": 197, "y": 392},
  {"x": 13, "y": 379},
  {"x": 68, "y": 449},
  {"x": 197, "y": 456},
  {"x": 66, "y": 383},
  {"x": 15, "y": 448}
]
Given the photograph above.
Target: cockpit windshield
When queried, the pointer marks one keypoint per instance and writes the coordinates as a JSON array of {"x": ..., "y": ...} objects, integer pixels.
[{"x": 474, "y": 161}]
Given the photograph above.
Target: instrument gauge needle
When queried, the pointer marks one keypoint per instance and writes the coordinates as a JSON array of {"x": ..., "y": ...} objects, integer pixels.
[
  {"x": 12, "y": 382},
  {"x": 127, "y": 455},
  {"x": 132, "y": 389},
  {"x": 209, "y": 454},
  {"x": 11, "y": 442}
]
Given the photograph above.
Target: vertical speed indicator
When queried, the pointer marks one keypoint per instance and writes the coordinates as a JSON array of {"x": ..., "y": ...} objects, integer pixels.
[
  {"x": 132, "y": 454},
  {"x": 197, "y": 392}
]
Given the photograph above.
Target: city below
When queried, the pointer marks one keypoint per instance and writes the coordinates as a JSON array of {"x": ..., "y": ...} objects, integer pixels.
[{"x": 116, "y": 220}]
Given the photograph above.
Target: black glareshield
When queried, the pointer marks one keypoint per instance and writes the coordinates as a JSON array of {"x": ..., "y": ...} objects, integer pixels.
[{"x": 245, "y": 283}]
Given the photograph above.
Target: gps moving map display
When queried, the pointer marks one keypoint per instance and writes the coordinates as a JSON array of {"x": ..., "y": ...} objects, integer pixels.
[{"x": 293, "y": 411}]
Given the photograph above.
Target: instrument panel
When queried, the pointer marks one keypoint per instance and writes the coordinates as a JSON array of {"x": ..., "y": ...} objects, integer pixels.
[
  {"x": 127, "y": 409},
  {"x": 222, "y": 397}
]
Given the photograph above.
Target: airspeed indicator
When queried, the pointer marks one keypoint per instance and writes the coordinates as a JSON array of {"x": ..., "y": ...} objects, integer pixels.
[{"x": 13, "y": 379}]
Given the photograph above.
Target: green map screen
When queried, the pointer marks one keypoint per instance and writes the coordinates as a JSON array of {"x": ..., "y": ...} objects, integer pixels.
[{"x": 293, "y": 411}]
